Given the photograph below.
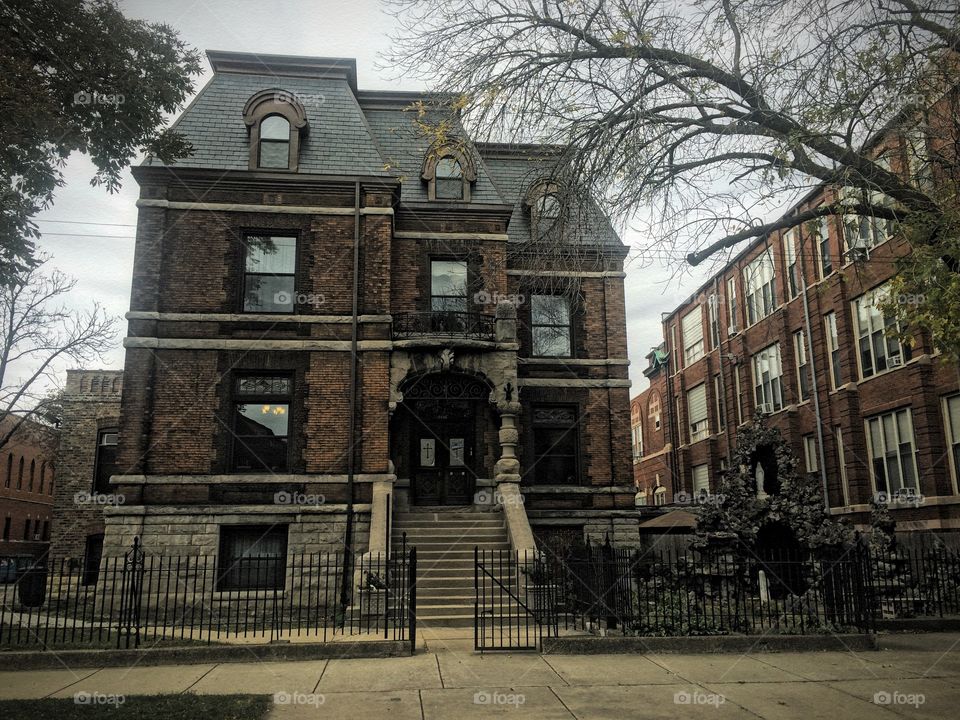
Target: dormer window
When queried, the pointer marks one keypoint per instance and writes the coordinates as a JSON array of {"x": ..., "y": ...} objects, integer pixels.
[
  {"x": 449, "y": 180},
  {"x": 274, "y": 142},
  {"x": 449, "y": 171},
  {"x": 276, "y": 121},
  {"x": 546, "y": 207}
]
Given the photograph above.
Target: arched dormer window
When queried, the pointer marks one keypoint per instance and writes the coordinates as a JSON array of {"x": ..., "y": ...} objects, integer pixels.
[
  {"x": 546, "y": 207},
  {"x": 449, "y": 171},
  {"x": 276, "y": 121}
]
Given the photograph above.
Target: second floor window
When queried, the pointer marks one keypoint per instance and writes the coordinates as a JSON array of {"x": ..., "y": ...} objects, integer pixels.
[
  {"x": 768, "y": 379},
  {"x": 879, "y": 348},
  {"x": 105, "y": 463},
  {"x": 275, "y": 142},
  {"x": 803, "y": 366},
  {"x": 269, "y": 269},
  {"x": 697, "y": 413},
  {"x": 892, "y": 452},
  {"x": 759, "y": 280},
  {"x": 692, "y": 329},
  {"x": 833, "y": 349},
  {"x": 550, "y": 326},
  {"x": 448, "y": 286},
  {"x": 261, "y": 421}
]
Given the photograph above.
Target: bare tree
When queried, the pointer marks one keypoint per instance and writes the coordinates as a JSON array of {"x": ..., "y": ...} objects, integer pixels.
[
  {"x": 700, "y": 121},
  {"x": 37, "y": 332}
]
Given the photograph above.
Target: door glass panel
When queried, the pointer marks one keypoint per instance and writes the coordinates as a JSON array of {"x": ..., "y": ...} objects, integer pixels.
[
  {"x": 456, "y": 452},
  {"x": 428, "y": 447}
]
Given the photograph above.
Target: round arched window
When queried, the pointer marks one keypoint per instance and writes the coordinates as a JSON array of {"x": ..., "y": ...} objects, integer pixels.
[{"x": 274, "y": 142}]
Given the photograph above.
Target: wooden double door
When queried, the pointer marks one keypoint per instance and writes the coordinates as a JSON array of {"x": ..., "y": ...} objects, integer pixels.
[{"x": 443, "y": 449}]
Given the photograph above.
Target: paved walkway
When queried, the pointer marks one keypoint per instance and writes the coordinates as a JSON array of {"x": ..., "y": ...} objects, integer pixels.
[{"x": 913, "y": 676}]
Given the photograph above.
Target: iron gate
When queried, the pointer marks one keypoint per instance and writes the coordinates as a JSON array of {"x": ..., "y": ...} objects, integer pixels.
[{"x": 513, "y": 606}]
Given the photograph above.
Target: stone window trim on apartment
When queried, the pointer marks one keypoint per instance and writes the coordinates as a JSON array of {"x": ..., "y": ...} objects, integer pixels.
[
  {"x": 252, "y": 558},
  {"x": 447, "y": 167},
  {"x": 876, "y": 352},
  {"x": 892, "y": 451},
  {"x": 268, "y": 271},
  {"x": 275, "y": 103},
  {"x": 951, "y": 427}
]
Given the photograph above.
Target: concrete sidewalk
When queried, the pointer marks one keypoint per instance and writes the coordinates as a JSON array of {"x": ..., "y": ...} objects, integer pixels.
[{"x": 913, "y": 676}]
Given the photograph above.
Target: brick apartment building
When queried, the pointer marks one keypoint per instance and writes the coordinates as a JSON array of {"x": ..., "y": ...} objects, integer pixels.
[
  {"x": 789, "y": 328},
  {"x": 89, "y": 432},
  {"x": 27, "y": 464},
  {"x": 318, "y": 315}
]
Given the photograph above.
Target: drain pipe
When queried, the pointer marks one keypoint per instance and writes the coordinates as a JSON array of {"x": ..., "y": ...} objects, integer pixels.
[
  {"x": 352, "y": 421},
  {"x": 813, "y": 383}
]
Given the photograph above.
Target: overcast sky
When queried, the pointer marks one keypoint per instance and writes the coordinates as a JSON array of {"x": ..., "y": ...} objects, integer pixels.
[{"x": 359, "y": 29}]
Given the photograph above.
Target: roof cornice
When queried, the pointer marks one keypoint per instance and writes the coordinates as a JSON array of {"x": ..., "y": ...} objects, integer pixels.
[{"x": 284, "y": 65}]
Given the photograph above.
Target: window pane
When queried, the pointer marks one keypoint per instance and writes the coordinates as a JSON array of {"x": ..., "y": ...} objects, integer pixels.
[
  {"x": 252, "y": 558},
  {"x": 263, "y": 385},
  {"x": 274, "y": 128},
  {"x": 274, "y": 154},
  {"x": 448, "y": 277},
  {"x": 262, "y": 419},
  {"x": 448, "y": 168},
  {"x": 549, "y": 310},
  {"x": 548, "y": 207},
  {"x": 551, "y": 341},
  {"x": 268, "y": 293},
  {"x": 271, "y": 254}
]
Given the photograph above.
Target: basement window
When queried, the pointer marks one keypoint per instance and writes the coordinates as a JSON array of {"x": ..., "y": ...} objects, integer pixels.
[{"x": 252, "y": 557}]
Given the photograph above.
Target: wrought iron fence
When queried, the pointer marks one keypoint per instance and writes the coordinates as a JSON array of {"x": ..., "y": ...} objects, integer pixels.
[
  {"x": 474, "y": 325},
  {"x": 142, "y": 598},
  {"x": 520, "y": 599},
  {"x": 919, "y": 580}
]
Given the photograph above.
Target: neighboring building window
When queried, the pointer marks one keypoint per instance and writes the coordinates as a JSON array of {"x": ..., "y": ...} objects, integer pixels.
[
  {"x": 105, "y": 463},
  {"x": 701, "y": 480},
  {"x": 449, "y": 179},
  {"x": 823, "y": 247},
  {"x": 550, "y": 326},
  {"x": 680, "y": 433},
  {"x": 653, "y": 410},
  {"x": 43, "y": 477},
  {"x": 759, "y": 280},
  {"x": 731, "y": 306},
  {"x": 892, "y": 452},
  {"x": 637, "y": 431},
  {"x": 721, "y": 405},
  {"x": 641, "y": 498},
  {"x": 697, "y": 413},
  {"x": 692, "y": 327},
  {"x": 20, "y": 474},
  {"x": 790, "y": 262},
  {"x": 676, "y": 349},
  {"x": 810, "y": 455},
  {"x": 33, "y": 473},
  {"x": 252, "y": 557},
  {"x": 841, "y": 463},
  {"x": 739, "y": 395},
  {"x": 555, "y": 446},
  {"x": 713, "y": 312},
  {"x": 951, "y": 412},
  {"x": 46, "y": 530},
  {"x": 270, "y": 264},
  {"x": 768, "y": 379},
  {"x": 803, "y": 367},
  {"x": 9, "y": 478},
  {"x": 6, "y": 527},
  {"x": 274, "y": 142},
  {"x": 878, "y": 351},
  {"x": 261, "y": 420},
  {"x": 660, "y": 495},
  {"x": 26, "y": 529},
  {"x": 833, "y": 349}
]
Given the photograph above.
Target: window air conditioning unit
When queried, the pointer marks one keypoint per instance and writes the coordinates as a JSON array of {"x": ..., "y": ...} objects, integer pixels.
[
  {"x": 37, "y": 536},
  {"x": 895, "y": 360},
  {"x": 732, "y": 330},
  {"x": 857, "y": 254},
  {"x": 765, "y": 408}
]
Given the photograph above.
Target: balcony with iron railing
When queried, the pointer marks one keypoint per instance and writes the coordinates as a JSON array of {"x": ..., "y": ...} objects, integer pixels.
[{"x": 444, "y": 327}]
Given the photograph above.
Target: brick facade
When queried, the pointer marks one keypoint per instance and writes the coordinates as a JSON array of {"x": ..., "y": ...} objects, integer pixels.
[{"x": 27, "y": 469}]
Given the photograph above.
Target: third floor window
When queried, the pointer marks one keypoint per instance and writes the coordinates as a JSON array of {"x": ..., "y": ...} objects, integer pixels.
[{"x": 759, "y": 281}]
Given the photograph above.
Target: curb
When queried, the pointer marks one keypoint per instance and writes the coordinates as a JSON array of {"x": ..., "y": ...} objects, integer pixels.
[
  {"x": 919, "y": 625},
  {"x": 53, "y": 659},
  {"x": 707, "y": 644}
]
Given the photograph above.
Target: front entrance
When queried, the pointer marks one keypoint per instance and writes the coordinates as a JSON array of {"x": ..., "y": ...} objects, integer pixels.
[{"x": 443, "y": 452}]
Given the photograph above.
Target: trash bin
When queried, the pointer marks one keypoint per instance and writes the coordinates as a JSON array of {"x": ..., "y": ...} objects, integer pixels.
[{"x": 32, "y": 585}]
